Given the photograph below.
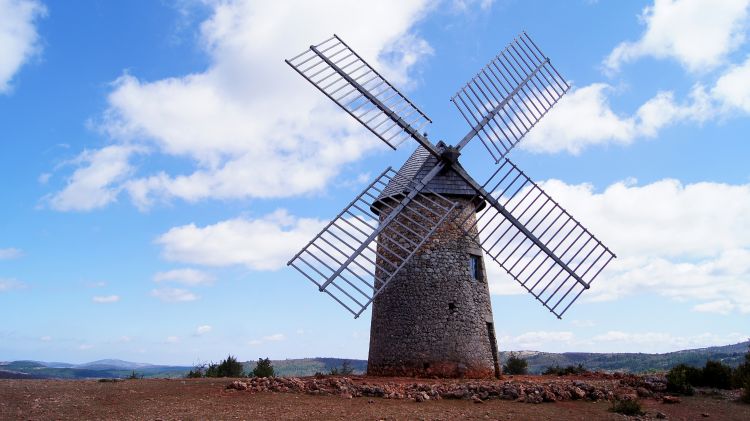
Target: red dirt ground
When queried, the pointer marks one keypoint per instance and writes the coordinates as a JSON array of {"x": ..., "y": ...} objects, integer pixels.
[{"x": 209, "y": 399}]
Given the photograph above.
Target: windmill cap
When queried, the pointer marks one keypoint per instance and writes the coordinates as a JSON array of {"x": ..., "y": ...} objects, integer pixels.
[{"x": 447, "y": 183}]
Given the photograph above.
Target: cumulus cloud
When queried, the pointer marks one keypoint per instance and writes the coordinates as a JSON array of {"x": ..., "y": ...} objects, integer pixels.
[
  {"x": 616, "y": 341},
  {"x": 94, "y": 183},
  {"x": 661, "y": 341},
  {"x": 105, "y": 299},
  {"x": 584, "y": 118},
  {"x": 276, "y": 337},
  {"x": 686, "y": 242},
  {"x": 185, "y": 276},
  {"x": 233, "y": 122},
  {"x": 202, "y": 330},
  {"x": 264, "y": 243},
  {"x": 699, "y": 34},
  {"x": 10, "y": 253},
  {"x": 10, "y": 284},
  {"x": 172, "y": 295},
  {"x": 733, "y": 87},
  {"x": 535, "y": 339},
  {"x": 19, "y": 40}
]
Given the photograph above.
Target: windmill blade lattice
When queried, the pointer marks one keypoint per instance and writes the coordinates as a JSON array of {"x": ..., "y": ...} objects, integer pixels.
[
  {"x": 349, "y": 81},
  {"x": 556, "y": 279},
  {"x": 509, "y": 96},
  {"x": 356, "y": 255},
  {"x": 523, "y": 229}
]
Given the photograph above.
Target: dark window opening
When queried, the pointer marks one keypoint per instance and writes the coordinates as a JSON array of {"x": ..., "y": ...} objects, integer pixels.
[
  {"x": 475, "y": 267},
  {"x": 452, "y": 306}
]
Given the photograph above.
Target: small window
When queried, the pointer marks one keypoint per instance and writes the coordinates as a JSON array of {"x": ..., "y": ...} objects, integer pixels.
[{"x": 475, "y": 267}]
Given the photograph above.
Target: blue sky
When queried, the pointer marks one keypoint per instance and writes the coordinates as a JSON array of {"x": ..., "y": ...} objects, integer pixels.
[{"x": 159, "y": 164}]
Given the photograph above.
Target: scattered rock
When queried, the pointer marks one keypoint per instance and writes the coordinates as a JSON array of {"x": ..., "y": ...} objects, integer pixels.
[
  {"x": 596, "y": 387},
  {"x": 237, "y": 385},
  {"x": 704, "y": 415},
  {"x": 661, "y": 415},
  {"x": 670, "y": 399},
  {"x": 643, "y": 392}
]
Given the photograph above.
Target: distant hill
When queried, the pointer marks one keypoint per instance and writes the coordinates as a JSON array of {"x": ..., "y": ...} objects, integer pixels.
[
  {"x": 627, "y": 362},
  {"x": 309, "y": 366},
  {"x": 731, "y": 355},
  {"x": 93, "y": 370}
]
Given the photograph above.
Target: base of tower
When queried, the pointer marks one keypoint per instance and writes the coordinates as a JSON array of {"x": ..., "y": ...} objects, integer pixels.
[{"x": 441, "y": 369}]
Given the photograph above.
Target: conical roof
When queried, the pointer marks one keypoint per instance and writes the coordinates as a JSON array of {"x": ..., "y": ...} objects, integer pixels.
[{"x": 447, "y": 182}]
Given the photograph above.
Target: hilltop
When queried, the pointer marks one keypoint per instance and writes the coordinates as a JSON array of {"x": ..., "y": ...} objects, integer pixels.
[{"x": 731, "y": 355}]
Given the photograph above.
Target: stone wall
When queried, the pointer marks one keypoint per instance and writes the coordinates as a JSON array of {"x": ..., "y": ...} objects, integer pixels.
[{"x": 433, "y": 318}]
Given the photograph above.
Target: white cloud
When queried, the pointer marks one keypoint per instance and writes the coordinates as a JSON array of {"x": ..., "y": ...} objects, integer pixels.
[
  {"x": 19, "y": 39},
  {"x": 584, "y": 118},
  {"x": 46, "y": 338},
  {"x": 697, "y": 33},
  {"x": 265, "y": 243},
  {"x": 105, "y": 298},
  {"x": 464, "y": 6},
  {"x": 202, "y": 330},
  {"x": 686, "y": 242},
  {"x": 172, "y": 339},
  {"x": 721, "y": 306},
  {"x": 85, "y": 347},
  {"x": 535, "y": 340},
  {"x": 233, "y": 122},
  {"x": 97, "y": 284},
  {"x": 615, "y": 341},
  {"x": 185, "y": 276},
  {"x": 10, "y": 284},
  {"x": 661, "y": 341},
  {"x": 172, "y": 295},
  {"x": 276, "y": 337},
  {"x": 733, "y": 87},
  {"x": 10, "y": 253},
  {"x": 93, "y": 183}
]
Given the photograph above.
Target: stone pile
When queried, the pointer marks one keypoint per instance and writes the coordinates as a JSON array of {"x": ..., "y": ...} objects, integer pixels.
[{"x": 545, "y": 389}]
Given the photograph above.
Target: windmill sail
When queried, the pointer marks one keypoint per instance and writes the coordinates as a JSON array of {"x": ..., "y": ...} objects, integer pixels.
[
  {"x": 552, "y": 256},
  {"x": 509, "y": 96},
  {"x": 361, "y": 91},
  {"x": 356, "y": 255}
]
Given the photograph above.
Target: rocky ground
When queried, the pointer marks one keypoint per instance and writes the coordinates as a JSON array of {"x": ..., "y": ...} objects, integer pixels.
[{"x": 334, "y": 398}]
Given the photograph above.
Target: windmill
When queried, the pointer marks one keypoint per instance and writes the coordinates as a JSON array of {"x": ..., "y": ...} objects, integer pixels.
[{"x": 412, "y": 243}]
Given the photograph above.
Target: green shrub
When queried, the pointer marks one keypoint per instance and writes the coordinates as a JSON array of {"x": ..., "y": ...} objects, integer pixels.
[
  {"x": 741, "y": 377},
  {"x": 264, "y": 368},
  {"x": 746, "y": 391},
  {"x": 741, "y": 374},
  {"x": 196, "y": 373},
  {"x": 677, "y": 379},
  {"x": 715, "y": 374},
  {"x": 346, "y": 369},
  {"x": 629, "y": 407},
  {"x": 515, "y": 365},
  {"x": 229, "y": 367}
]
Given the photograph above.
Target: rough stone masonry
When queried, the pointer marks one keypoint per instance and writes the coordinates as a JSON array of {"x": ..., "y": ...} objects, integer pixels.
[{"x": 434, "y": 318}]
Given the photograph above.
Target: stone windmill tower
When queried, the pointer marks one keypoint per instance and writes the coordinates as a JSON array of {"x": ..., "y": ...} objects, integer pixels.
[{"x": 412, "y": 243}]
